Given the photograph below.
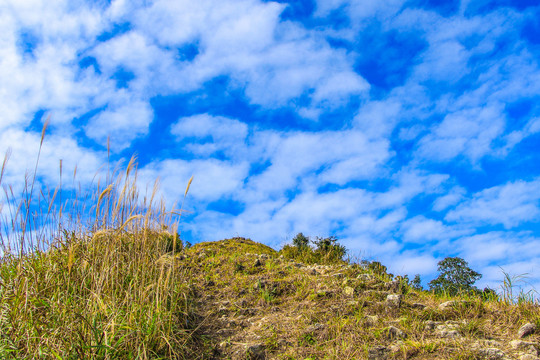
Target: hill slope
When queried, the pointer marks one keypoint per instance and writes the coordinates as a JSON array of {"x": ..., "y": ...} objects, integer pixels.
[
  {"x": 254, "y": 303},
  {"x": 119, "y": 295}
]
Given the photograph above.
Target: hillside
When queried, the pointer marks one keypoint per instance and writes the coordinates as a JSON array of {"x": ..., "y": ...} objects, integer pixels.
[
  {"x": 238, "y": 299},
  {"x": 255, "y": 303}
]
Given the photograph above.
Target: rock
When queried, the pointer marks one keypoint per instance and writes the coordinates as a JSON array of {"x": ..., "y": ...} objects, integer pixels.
[
  {"x": 526, "y": 346},
  {"x": 393, "y": 300},
  {"x": 395, "y": 333},
  {"x": 448, "y": 334},
  {"x": 315, "y": 327},
  {"x": 493, "y": 353},
  {"x": 349, "y": 291},
  {"x": 338, "y": 275},
  {"x": 255, "y": 352},
  {"x": 364, "y": 277},
  {"x": 451, "y": 304},
  {"x": 430, "y": 325},
  {"x": 396, "y": 347},
  {"x": 371, "y": 320},
  {"x": 378, "y": 353},
  {"x": 418, "y": 306},
  {"x": 448, "y": 330},
  {"x": 528, "y": 357},
  {"x": 526, "y": 329},
  {"x": 257, "y": 262}
]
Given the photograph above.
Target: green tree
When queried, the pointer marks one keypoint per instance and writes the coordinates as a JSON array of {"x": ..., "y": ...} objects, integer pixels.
[
  {"x": 455, "y": 276},
  {"x": 300, "y": 241},
  {"x": 416, "y": 283}
]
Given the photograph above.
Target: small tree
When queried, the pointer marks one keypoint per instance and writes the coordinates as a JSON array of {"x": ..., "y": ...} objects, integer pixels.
[
  {"x": 455, "y": 275},
  {"x": 416, "y": 283},
  {"x": 300, "y": 241}
]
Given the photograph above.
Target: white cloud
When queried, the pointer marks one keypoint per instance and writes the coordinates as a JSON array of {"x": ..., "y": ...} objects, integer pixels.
[
  {"x": 24, "y": 151},
  {"x": 378, "y": 118},
  {"x": 276, "y": 63},
  {"x": 420, "y": 229},
  {"x": 213, "y": 179},
  {"x": 226, "y": 134},
  {"x": 339, "y": 157},
  {"x": 123, "y": 121},
  {"x": 412, "y": 263},
  {"x": 469, "y": 132},
  {"x": 510, "y": 205},
  {"x": 445, "y": 61},
  {"x": 452, "y": 197},
  {"x": 409, "y": 183}
]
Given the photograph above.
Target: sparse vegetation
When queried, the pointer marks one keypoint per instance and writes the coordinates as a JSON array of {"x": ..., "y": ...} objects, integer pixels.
[{"x": 325, "y": 250}]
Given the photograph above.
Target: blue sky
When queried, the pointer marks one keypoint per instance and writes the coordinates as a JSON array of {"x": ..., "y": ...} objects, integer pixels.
[{"x": 409, "y": 129}]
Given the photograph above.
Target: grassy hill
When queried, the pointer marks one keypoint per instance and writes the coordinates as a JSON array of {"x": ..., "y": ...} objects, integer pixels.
[{"x": 142, "y": 295}]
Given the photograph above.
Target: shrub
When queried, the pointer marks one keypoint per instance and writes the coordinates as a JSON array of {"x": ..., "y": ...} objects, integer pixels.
[{"x": 325, "y": 251}]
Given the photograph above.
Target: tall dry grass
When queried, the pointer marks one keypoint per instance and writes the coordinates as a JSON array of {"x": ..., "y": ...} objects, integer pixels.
[{"x": 80, "y": 276}]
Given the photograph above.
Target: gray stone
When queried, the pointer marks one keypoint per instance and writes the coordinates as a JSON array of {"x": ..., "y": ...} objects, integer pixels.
[
  {"x": 493, "y": 353},
  {"x": 378, "y": 353},
  {"x": 255, "y": 352},
  {"x": 526, "y": 329},
  {"x": 526, "y": 346},
  {"x": 452, "y": 304},
  {"x": 396, "y": 347},
  {"x": 364, "y": 277},
  {"x": 448, "y": 330},
  {"x": 393, "y": 300},
  {"x": 315, "y": 328},
  {"x": 395, "y": 333},
  {"x": 418, "y": 306},
  {"x": 528, "y": 357},
  {"x": 430, "y": 324},
  {"x": 371, "y": 320}
]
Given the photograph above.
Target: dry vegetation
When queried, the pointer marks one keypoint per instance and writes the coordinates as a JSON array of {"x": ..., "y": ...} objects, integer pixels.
[{"x": 120, "y": 284}]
